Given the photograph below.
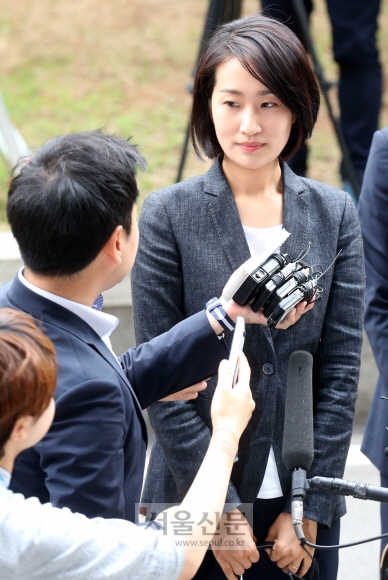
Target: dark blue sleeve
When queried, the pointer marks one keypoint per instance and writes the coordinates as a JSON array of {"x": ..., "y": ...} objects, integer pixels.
[
  {"x": 82, "y": 454},
  {"x": 188, "y": 353},
  {"x": 373, "y": 213}
]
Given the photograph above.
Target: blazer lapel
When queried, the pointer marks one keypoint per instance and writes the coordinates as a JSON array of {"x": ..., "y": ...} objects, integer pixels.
[
  {"x": 227, "y": 223},
  {"x": 223, "y": 211},
  {"x": 295, "y": 213}
]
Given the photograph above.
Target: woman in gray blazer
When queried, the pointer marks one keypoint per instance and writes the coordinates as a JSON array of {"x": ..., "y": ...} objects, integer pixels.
[{"x": 255, "y": 102}]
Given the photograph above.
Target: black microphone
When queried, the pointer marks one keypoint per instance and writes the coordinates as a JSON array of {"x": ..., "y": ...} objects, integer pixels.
[
  {"x": 356, "y": 489},
  {"x": 298, "y": 435}
]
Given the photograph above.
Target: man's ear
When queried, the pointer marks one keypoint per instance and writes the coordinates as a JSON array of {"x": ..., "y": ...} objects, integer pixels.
[
  {"x": 20, "y": 429},
  {"x": 114, "y": 246}
]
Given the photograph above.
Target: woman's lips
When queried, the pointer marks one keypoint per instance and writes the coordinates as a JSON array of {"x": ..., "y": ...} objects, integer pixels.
[{"x": 249, "y": 147}]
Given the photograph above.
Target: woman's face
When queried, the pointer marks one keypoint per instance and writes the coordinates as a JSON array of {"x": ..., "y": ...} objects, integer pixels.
[{"x": 251, "y": 124}]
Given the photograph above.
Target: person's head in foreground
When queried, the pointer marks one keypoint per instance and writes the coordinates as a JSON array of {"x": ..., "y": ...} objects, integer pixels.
[
  {"x": 41, "y": 541},
  {"x": 74, "y": 198},
  {"x": 255, "y": 68},
  {"x": 28, "y": 375}
]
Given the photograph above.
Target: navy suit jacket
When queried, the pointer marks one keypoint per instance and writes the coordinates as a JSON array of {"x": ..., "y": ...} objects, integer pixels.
[
  {"x": 373, "y": 212},
  {"x": 92, "y": 458}
]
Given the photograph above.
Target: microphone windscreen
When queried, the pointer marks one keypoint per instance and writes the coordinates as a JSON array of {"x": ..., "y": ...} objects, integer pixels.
[{"x": 298, "y": 435}]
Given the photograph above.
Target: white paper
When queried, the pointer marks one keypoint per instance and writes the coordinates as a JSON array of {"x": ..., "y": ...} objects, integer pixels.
[{"x": 251, "y": 265}]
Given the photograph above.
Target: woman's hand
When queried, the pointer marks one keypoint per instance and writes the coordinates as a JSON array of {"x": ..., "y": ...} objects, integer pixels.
[
  {"x": 295, "y": 314},
  {"x": 287, "y": 551},
  {"x": 234, "y": 310}
]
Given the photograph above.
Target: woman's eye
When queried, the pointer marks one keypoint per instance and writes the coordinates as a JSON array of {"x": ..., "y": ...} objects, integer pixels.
[
  {"x": 268, "y": 104},
  {"x": 231, "y": 104}
]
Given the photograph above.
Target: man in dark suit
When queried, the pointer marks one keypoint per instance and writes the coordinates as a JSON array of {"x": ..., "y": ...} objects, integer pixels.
[
  {"x": 72, "y": 210},
  {"x": 373, "y": 211}
]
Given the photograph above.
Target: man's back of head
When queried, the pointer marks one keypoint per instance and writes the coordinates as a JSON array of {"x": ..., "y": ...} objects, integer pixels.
[{"x": 69, "y": 198}]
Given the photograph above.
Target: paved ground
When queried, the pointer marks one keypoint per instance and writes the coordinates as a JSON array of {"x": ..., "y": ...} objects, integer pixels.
[{"x": 361, "y": 521}]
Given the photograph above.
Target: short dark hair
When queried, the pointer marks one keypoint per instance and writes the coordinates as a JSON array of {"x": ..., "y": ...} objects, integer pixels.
[
  {"x": 28, "y": 370},
  {"x": 69, "y": 197},
  {"x": 271, "y": 53}
]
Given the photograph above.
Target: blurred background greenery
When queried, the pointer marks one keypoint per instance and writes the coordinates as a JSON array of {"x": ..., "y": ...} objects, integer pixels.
[{"x": 73, "y": 65}]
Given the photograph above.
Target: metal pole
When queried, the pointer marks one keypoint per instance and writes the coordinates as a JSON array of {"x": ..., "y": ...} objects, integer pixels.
[
  {"x": 325, "y": 85},
  {"x": 219, "y": 12}
]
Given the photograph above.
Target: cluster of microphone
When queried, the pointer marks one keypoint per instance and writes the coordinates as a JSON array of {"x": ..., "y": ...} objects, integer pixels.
[{"x": 276, "y": 287}]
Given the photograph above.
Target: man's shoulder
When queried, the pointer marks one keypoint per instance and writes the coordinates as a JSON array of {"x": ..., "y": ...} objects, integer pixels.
[
  {"x": 4, "y": 294},
  {"x": 81, "y": 354},
  {"x": 73, "y": 338}
]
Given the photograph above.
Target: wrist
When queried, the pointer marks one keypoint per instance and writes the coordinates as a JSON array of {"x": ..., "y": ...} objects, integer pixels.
[{"x": 226, "y": 440}]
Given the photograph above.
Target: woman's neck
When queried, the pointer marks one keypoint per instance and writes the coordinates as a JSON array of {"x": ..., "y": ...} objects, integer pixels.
[
  {"x": 258, "y": 193},
  {"x": 253, "y": 182},
  {"x": 7, "y": 463}
]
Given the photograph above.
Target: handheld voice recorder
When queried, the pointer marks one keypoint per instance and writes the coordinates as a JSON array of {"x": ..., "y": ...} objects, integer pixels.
[{"x": 237, "y": 346}]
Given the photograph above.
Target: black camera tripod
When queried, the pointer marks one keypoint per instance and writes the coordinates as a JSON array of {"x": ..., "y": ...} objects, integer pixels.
[{"x": 221, "y": 11}]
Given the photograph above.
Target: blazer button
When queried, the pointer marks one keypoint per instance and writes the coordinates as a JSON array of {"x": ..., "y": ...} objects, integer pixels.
[{"x": 268, "y": 369}]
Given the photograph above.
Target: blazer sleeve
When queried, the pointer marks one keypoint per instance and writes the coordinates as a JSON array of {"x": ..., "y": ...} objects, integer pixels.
[
  {"x": 373, "y": 212},
  {"x": 186, "y": 354},
  {"x": 157, "y": 286},
  {"x": 83, "y": 450},
  {"x": 337, "y": 364}
]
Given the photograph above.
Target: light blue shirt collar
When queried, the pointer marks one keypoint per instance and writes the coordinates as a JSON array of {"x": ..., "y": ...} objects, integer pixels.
[{"x": 5, "y": 477}]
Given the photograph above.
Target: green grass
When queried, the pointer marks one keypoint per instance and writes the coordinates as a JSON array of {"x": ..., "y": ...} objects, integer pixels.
[
  {"x": 75, "y": 65},
  {"x": 124, "y": 67}
]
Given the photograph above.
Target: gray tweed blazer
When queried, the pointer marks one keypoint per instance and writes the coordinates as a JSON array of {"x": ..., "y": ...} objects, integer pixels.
[{"x": 191, "y": 240}]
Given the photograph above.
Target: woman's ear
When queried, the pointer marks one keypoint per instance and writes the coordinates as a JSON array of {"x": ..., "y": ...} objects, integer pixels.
[{"x": 20, "y": 429}]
